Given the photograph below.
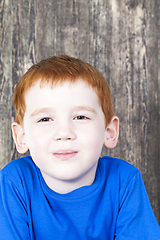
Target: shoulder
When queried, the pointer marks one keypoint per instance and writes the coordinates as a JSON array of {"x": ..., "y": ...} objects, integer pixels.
[
  {"x": 18, "y": 164},
  {"x": 117, "y": 166},
  {"x": 117, "y": 171},
  {"x": 19, "y": 170},
  {"x": 129, "y": 194}
]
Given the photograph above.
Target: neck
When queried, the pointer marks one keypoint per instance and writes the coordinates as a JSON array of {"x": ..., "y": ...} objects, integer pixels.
[{"x": 66, "y": 186}]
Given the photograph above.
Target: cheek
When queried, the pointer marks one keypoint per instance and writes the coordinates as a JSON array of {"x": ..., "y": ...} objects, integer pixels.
[
  {"x": 93, "y": 138},
  {"x": 36, "y": 141}
]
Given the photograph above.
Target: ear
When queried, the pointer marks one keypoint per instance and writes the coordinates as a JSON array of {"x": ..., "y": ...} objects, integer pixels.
[
  {"x": 112, "y": 133},
  {"x": 19, "y": 138}
]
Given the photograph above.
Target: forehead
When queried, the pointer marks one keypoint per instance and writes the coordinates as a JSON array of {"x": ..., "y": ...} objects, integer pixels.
[{"x": 66, "y": 92}]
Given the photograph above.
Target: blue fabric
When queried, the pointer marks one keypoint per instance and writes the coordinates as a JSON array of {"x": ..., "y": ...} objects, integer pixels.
[{"x": 115, "y": 206}]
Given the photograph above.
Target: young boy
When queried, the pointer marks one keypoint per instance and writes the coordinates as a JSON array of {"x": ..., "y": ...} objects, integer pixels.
[{"x": 64, "y": 115}]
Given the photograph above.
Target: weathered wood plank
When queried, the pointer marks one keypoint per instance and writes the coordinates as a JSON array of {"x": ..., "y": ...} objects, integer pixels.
[
  {"x": 134, "y": 84},
  {"x": 5, "y": 82}
]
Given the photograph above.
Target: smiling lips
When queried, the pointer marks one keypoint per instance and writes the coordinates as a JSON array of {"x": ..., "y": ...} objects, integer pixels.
[{"x": 65, "y": 154}]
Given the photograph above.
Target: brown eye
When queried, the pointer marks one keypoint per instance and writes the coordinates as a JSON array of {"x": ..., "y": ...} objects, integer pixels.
[
  {"x": 46, "y": 119},
  {"x": 81, "y": 117}
]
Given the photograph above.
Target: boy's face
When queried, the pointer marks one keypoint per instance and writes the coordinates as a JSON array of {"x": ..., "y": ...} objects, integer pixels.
[{"x": 64, "y": 129}]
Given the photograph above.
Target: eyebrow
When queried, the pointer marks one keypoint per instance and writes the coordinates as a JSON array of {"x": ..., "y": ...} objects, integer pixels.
[
  {"x": 38, "y": 111},
  {"x": 90, "y": 109}
]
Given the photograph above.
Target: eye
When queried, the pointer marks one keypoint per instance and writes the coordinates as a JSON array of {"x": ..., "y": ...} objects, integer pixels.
[
  {"x": 46, "y": 119},
  {"x": 81, "y": 117}
]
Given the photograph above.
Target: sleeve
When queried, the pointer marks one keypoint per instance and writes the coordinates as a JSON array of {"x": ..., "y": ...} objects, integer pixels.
[
  {"x": 136, "y": 219},
  {"x": 13, "y": 212}
]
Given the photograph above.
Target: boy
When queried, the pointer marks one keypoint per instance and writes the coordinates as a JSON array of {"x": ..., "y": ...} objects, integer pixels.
[{"x": 64, "y": 115}]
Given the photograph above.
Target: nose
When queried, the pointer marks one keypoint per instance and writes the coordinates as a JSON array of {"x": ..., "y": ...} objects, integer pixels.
[{"x": 64, "y": 133}]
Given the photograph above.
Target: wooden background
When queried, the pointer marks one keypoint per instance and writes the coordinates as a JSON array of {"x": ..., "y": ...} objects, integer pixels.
[{"x": 121, "y": 38}]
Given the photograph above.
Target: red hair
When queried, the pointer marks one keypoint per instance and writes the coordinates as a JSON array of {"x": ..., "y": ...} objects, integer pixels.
[{"x": 58, "y": 69}]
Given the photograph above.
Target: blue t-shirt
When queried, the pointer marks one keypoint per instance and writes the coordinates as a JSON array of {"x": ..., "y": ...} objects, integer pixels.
[{"x": 115, "y": 206}]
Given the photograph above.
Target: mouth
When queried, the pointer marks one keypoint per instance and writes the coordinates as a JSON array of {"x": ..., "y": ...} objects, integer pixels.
[{"x": 65, "y": 154}]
